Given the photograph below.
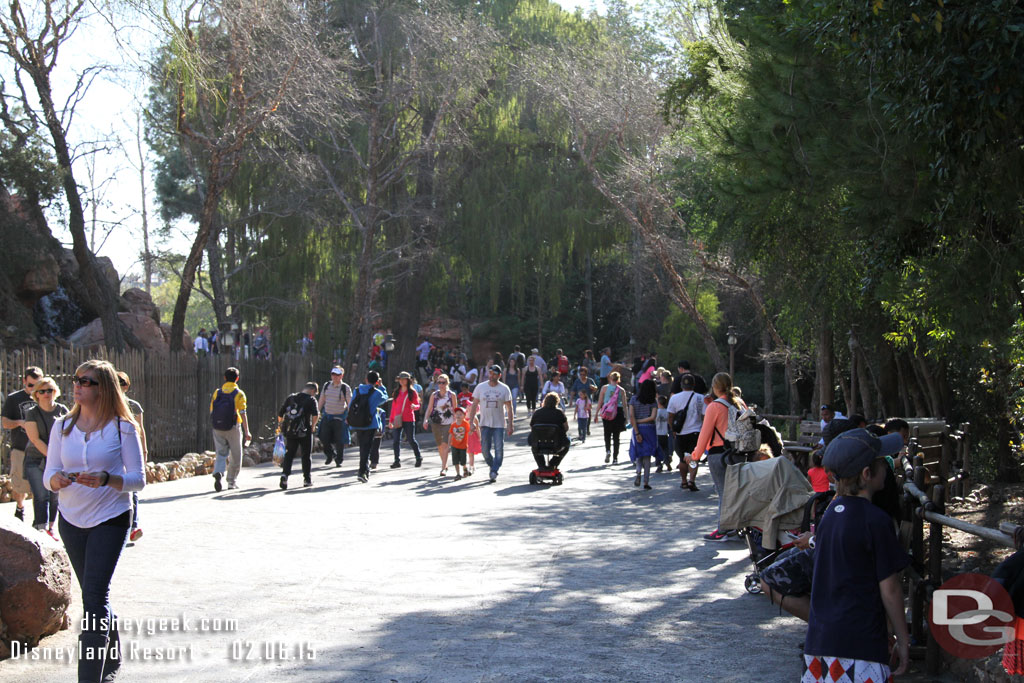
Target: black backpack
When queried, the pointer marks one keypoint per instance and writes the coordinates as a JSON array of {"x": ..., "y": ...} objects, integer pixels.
[
  {"x": 293, "y": 424},
  {"x": 223, "y": 414},
  {"x": 359, "y": 414}
]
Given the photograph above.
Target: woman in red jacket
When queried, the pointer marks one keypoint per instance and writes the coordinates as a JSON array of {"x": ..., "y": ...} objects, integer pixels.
[
  {"x": 404, "y": 404},
  {"x": 712, "y": 438}
]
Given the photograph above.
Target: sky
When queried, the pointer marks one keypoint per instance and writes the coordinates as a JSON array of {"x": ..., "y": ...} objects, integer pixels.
[{"x": 105, "y": 131}]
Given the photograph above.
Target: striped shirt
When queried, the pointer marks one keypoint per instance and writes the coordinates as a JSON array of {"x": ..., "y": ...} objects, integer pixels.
[{"x": 335, "y": 398}]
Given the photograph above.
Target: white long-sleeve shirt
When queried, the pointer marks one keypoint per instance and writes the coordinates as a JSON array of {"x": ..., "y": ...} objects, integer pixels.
[{"x": 83, "y": 506}]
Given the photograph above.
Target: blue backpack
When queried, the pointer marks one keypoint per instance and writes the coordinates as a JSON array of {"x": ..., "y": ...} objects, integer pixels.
[{"x": 223, "y": 413}]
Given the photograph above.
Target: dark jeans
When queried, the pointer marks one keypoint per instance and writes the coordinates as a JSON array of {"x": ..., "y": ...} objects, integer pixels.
[
  {"x": 611, "y": 436},
  {"x": 369, "y": 448},
  {"x": 410, "y": 432},
  {"x": 334, "y": 436},
  {"x": 292, "y": 444},
  {"x": 552, "y": 464},
  {"x": 94, "y": 553},
  {"x": 44, "y": 501}
]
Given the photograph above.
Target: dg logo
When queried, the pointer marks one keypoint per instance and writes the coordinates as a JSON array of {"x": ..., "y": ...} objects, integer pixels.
[{"x": 972, "y": 616}]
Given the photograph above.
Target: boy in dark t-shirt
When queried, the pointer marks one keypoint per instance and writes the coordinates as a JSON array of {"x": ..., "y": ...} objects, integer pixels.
[{"x": 856, "y": 568}]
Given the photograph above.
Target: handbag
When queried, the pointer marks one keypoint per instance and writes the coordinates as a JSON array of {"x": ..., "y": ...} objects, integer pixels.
[{"x": 611, "y": 408}]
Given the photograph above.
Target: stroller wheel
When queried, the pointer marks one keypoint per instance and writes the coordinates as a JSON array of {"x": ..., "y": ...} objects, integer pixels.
[
  {"x": 558, "y": 479},
  {"x": 753, "y": 584},
  {"x": 533, "y": 478}
]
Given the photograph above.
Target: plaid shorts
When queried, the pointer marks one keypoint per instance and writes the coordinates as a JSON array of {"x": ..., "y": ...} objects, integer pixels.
[
  {"x": 842, "y": 670},
  {"x": 791, "y": 574}
]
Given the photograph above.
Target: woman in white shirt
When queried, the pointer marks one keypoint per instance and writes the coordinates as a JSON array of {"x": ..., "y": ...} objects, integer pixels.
[
  {"x": 94, "y": 458},
  {"x": 555, "y": 386}
]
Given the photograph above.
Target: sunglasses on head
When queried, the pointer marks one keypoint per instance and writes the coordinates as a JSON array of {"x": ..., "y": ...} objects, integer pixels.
[{"x": 84, "y": 381}]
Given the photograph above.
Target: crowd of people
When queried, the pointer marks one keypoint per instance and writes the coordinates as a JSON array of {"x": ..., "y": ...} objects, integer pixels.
[{"x": 87, "y": 462}]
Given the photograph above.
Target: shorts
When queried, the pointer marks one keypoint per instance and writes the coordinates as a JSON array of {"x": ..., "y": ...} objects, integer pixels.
[
  {"x": 18, "y": 482},
  {"x": 458, "y": 457},
  {"x": 819, "y": 669},
  {"x": 685, "y": 443},
  {"x": 791, "y": 574},
  {"x": 440, "y": 432}
]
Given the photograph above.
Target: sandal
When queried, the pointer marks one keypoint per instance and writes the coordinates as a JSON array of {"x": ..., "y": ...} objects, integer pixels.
[{"x": 444, "y": 472}]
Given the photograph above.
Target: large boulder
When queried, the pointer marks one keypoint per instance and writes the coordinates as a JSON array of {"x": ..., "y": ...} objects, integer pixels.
[
  {"x": 35, "y": 584},
  {"x": 137, "y": 301},
  {"x": 42, "y": 278},
  {"x": 186, "y": 338},
  {"x": 144, "y": 327}
]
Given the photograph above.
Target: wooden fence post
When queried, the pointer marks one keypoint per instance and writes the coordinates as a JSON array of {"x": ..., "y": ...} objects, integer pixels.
[{"x": 933, "y": 656}]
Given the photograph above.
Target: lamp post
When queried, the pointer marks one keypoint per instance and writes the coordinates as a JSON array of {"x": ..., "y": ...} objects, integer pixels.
[{"x": 733, "y": 340}]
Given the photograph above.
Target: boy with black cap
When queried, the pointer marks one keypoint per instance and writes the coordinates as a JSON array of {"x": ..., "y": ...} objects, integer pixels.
[{"x": 857, "y": 563}]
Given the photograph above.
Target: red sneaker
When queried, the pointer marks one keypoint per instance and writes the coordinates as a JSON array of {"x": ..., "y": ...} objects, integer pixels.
[{"x": 135, "y": 535}]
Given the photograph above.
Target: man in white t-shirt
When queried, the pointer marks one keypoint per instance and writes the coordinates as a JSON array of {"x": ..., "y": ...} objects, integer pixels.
[
  {"x": 692, "y": 403},
  {"x": 492, "y": 401},
  {"x": 827, "y": 415}
]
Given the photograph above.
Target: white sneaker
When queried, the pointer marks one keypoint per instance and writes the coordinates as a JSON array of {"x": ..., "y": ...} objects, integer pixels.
[{"x": 232, "y": 486}]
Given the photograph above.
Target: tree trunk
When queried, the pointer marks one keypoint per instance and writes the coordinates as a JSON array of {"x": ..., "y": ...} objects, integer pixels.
[
  {"x": 825, "y": 362},
  {"x": 216, "y": 270},
  {"x": 405, "y": 322},
  {"x": 588, "y": 297},
  {"x": 928, "y": 384},
  {"x": 355, "y": 353},
  {"x": 890, "y": 388},
  {"x": 102, "y": 300},
  {"x": 791, "y": 390},
  {"x": 851, "y": 404},
  {"x": 913, "y": 386},
  {"x": 215, "y": 184},
  {"x": 769, "y": 391}
]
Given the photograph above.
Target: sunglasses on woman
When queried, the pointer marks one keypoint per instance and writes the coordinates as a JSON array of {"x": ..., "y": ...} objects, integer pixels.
[
  {"x": 85, "y": 381},
  {"x": 44, "y": 391}
]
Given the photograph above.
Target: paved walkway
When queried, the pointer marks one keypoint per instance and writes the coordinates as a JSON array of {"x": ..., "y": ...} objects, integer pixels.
[{"x": 417, "y": 578}]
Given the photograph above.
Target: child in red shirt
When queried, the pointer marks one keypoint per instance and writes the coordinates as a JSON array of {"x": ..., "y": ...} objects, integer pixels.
[{"x": 817, "y": 475}]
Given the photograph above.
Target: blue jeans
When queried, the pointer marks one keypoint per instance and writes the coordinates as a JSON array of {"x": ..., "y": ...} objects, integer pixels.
[
  {"x": 94, "y": 553},
  {"x": 44, "y": 501},
  {"x": 493, "y": 436}
]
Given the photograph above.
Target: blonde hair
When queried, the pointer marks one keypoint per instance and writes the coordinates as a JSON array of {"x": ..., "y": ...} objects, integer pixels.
[
  {"x": 614, "y": 376},
  {"x": 721, "y": 383},
  {"x": 43, "y": 383},
  {"x": 111, "y": 404}
]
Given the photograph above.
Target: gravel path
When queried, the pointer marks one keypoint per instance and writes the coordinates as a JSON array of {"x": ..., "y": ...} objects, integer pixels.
[{"x": 417, "y": 578}]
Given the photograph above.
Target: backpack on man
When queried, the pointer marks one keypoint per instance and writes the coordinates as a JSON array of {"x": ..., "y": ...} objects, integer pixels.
[
  {"x": 223, "y": 414},
  {"x": 359, "y": 415},
  {"x": 292, "y": 424}
]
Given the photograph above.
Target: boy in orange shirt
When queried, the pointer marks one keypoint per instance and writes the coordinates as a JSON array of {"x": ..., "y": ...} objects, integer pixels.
[{"x": 458, "y": 440}]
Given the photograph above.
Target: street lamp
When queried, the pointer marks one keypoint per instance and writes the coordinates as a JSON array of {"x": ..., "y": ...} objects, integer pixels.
[{"x": 733, "y": 340}]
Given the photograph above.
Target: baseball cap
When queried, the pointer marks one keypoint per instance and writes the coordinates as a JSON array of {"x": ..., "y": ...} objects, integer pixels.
[
  {"x": 495, "y": 368},
  {"x": 835, "y": 428},
  {"x": 852, "y": 451},
  {"x": 534, "y": 351},
  {"x": 336, "y": 370}
]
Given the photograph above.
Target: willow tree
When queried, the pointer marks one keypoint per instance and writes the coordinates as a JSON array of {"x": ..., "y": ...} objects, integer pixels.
[{"x": 608, "y": 95}]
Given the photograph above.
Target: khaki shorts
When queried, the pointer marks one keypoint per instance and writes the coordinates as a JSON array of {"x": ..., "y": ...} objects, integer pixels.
[
  {"x": 18, "y": 481},
  {"x": 440, "y": 433}
]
